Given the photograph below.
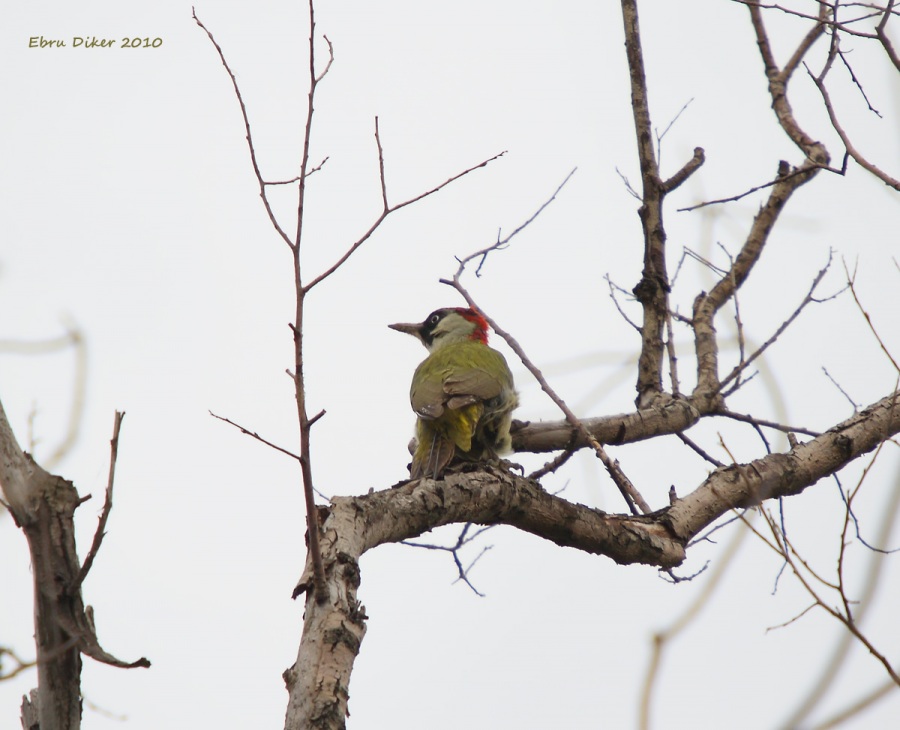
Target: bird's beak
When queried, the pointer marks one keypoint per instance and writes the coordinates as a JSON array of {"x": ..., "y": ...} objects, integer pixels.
[{"x": 408, "y": 328}]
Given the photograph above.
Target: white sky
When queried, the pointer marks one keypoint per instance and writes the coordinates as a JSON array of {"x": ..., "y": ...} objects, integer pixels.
[{"x": 130, "y": 209}]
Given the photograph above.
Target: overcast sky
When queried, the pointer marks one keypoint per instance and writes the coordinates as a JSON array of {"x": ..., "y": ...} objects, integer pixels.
[{"x": 130, "y": 212}]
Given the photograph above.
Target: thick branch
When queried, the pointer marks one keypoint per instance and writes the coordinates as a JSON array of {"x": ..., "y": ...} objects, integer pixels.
[
  {"x": 672, "y": 417},
  {"x": 779, "y": 78},
  {"x": 652, "y": 290},
  {"x": 318, "y": 682},
  {"x": 43, "y": 505},
  {"x": 17, "y": 475},
  {"x": 782, "y": 475},
  {"x": 883, "y": 38},
  {"x": 707, "y": 305}
]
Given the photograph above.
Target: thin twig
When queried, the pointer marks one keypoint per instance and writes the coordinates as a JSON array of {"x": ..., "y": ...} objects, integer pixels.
[
  {"x": 844, "y": 618},
  {"x": 672, "y": 355},
  {"x": 756, "y": 188},
  {"x": 256, "y": 171},
  {"x": 255, "y": 435},
  {"x": 388, "y": 209},
  {"x": 851, "y": 281},
  {"x": 558, "y": 461},
  {"x": 746, "y": 418},
  {"x": 858, "y": 83},
  {"x": 856, "y": 708},
  {"x": 613, "y": 288},
  {"x": 107, "y": 505},
  {"x": 502, "y": 243},
  {"x": 633, "y": 498},
  {"x": 845, "y": 138},
  {"x": 664, "y": 637},
  {"x": 20, "y": 664},
  {"x": 631, "y": 495},
  {"x": 461, "y": 541},
  {"x": 846, "y": 395},
  {"x": 661, "y": 135},
  {"x": 842, "y": 26},
  {"x": 692, "y": 445},
  {"x": 808, "y": 299}
]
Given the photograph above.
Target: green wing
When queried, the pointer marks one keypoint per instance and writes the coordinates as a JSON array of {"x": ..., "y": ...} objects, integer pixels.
[{"x": 457, "y": 376}]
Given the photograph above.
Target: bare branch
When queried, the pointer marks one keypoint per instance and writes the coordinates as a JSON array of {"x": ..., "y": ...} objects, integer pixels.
[
  {"x": 20, "y": 664},
  {"x": 663, "y": 638},
  {"x": 384, "y": 196},
  {"x": 613, "y": 288},
  {"x": 689, "y": 168},
  {"x": 388, "y": 209},
  {"x": 856, "y": 81},
  {"x": 259, "y": 178},
  {"x": 757, "y": 188},
  {"x": 256, "y": 436},
  {"x": 689, "y": 443},
  {"x": 843, "y": 26},
  {"x": 851, "y": 281},
  {"x": 853, "y": 403},
  {"x": 652, "y": 291},
  {"x": 16, "y": 475},
  {"x": 632, "y": 497},
  {"x": 629, "y": 492},
  {"x": 706, "y": 306},
  {"x": 725, "y": 413},
  {"x": 870, "y": 581},
  {"x": 845, "y": 618},
  {"x": 779, "y": 78},
  {"x": 107, "y": 505},
  {"x": 780, "y": 475},
  {"x": 554, "y": 464},
  {"x": 463, "y": 540},
  {"x": 330, "y": 60},
  {"x": 502, "y": 243},
  {"x": 667, "y": 418},
  {"x": 845, "y": 139},
  {"x": 881, "y": 33},
  {"x": 673, "y": 357},
  {"x": 857, "y": 707},
  {"x": 661, "y": 135}
]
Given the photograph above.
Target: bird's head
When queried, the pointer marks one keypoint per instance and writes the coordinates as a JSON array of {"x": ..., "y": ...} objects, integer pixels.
[{"x": 446, "y": 326}]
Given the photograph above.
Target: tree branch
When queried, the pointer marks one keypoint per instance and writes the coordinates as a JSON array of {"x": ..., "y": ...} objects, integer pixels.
[
  {"x": 388, "y": 209},
  {"x": 653, "y": 289},
  {"x": 263, "y": 194},
  {"x": 845, "y": 139},
  {"x": 107, "y": 504},
  {"x": 319, "y": 679},
  {"x": 785, "y": 474},
  {"x": 44, "y": 505}
]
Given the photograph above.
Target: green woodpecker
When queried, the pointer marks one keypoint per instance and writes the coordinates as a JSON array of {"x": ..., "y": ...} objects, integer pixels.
[{"x": 462, "y": 393}]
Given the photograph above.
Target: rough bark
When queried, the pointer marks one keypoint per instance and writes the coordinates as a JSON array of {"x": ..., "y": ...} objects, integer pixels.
[
  {"x": 318, "y": 681},
  {"x": 652, "y": 291},
  {"x": 785, "y": 474},
  {"x": 674, "y": 416},
  {"x": 43, "y": 506}
]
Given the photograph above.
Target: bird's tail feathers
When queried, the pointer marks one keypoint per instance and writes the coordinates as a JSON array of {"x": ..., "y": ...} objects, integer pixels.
[{"x": 432, "y": 457}]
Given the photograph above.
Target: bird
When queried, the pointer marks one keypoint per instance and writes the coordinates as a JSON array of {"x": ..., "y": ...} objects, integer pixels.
[{"x": 462, "y": 394}]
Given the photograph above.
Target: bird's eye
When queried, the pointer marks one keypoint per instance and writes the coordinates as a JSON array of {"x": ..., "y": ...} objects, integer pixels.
[{"x": 434, "y": 319}]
